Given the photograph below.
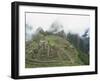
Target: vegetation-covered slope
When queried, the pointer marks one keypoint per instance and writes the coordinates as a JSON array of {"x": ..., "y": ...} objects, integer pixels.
[
  {"x": 47, "y": 50},
  {"x": 54, "y": 47}
]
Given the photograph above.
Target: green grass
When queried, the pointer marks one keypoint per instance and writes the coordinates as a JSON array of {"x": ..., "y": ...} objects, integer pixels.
[{"x": 62, "y": 54}]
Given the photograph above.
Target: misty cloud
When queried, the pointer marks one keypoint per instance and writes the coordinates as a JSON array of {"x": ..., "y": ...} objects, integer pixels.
[{"x": 71, "y": 23}]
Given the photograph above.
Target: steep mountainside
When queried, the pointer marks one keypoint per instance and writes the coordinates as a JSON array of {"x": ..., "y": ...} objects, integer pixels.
[{"x": 47, "y": 50}]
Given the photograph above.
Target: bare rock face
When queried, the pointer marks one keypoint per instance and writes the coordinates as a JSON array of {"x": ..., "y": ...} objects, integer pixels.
[
  {"x": 56, "y": 27},
  {"x": 39, "y": 30}
]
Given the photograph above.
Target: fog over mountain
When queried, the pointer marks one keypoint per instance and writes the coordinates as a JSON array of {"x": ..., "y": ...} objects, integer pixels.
[
  {"x": 71, "y": 23},
  {"x": 75, "y": 24}
]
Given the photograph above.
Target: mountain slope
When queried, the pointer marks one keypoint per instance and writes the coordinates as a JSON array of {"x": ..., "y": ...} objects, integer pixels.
[{"x": 48, "y": 50}]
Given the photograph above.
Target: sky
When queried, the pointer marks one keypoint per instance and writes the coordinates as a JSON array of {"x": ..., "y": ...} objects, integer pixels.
[{"x": 76, "y": 24}]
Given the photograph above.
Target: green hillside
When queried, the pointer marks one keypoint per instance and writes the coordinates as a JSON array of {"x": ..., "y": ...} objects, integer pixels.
[{"x": 49, "y": 50}]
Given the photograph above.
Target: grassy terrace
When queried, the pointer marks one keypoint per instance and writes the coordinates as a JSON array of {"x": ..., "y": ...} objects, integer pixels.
[{"x": 52, "y": 51}]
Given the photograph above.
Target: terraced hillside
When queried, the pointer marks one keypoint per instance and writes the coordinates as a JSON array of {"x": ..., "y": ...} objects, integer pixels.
[{"x": 48, "y": 50}]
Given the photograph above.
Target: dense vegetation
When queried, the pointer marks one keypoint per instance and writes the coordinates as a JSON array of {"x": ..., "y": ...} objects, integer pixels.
[{"x": 55, "y": 48}]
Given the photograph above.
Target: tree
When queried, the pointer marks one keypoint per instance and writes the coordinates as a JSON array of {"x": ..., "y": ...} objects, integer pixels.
[
  {"x": 81, "y": 43},
  {"x": 86, "y": 33},
  {"x": 86, "y": 38},
  {"x": 28, "y": 32}
]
